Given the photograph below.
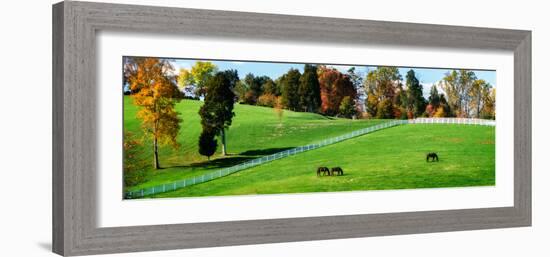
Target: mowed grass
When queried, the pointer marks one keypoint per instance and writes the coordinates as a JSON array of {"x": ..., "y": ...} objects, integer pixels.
[
  {"x": 393, "y": 158},
  {"x": 255, "y": 131}
]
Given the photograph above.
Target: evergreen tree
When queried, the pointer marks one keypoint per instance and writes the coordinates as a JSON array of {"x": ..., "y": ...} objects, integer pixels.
[
  {"x": 269, "y": 87},
  {"x": 309, "y": 91},
  {"x": 289, "y": 89},
  {"x": 217, "y": 110},
  {"x": 207, "y": 143},
  {"x": 415, "y": 100},
  {"x": 434, "y": 96},
  {"x": 445, "y": 105},
  {"x": 357, "y": 80},
  {"x": 255, "y": 86}
]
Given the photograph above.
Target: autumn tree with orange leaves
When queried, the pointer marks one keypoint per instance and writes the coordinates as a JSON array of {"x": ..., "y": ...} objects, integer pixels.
[
  {"x": 334, "y": 87},
  {"x": 155, "y": 91}
]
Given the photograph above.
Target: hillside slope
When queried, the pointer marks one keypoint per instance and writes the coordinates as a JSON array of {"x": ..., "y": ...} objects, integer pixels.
[{"x": 255, "y": 131}]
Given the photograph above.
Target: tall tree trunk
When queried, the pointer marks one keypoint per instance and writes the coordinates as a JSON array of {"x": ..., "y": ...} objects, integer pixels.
[
  {"x": 478, "y": 106},
  {"x": 155, "y": 141},
  {"x": 156, "y": 153},
  {"x": 155, "y": 147},
  {"x": 224, "y": 150}
]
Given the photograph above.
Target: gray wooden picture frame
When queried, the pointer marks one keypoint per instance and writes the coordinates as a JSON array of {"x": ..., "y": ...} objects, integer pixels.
[{"x": 75, "y": 25}]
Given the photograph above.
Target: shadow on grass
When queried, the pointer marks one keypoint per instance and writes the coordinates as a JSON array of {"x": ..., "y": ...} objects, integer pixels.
[
  {"x": 332, "y": 176},
  {"x": 266, "y": 151},
  {"x": 231, "y": 159},
  {"x": 217, "y": 163}
]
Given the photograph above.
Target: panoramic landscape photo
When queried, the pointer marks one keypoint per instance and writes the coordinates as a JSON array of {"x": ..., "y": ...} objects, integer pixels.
[{"x": 197, "y": 127}]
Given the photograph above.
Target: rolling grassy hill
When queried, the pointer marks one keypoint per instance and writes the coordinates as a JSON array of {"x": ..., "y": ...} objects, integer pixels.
[
  {"x": 255, "y": 131},
  {"x": 393, "y": 158}
]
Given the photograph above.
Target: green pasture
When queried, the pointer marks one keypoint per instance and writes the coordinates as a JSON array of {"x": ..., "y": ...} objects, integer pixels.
[
  {"x": 255, "y": 131},
  {"x": 393, "y": 158}
]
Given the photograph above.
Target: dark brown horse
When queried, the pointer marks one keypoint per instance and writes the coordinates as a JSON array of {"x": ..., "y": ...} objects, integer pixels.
[
  {"x": 323, "y": 170},
  {"x": 336, "y": 171},
  {"x": 433, "y": 156}
]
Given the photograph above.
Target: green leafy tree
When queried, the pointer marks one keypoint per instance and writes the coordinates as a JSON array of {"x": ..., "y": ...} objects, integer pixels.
[
  {"x": 488, "y": 110},
  {"x": 433, "y": 99},
  {"x": 385, "y": 109},
  {"x": 195, "y": 79},
  {"x": 241, "y": 90},
  {"x": 381, "y": 85},
  {"x": 477, "y": 92},
  {"x": 309, "y": 91},
  {"x": 416, "y": 104},
  {"x": 356, "y": 78},
  {"x": 347, "y": 107},
  {"x": 445, "y": 105},
  {"x": 255, "y": 86},
  {"x": 217, "y": 110},
  {"x": 457, "y": 85},
  {"x": 269, "y": 87},
  {"x": 372, "y": 103},
  {"x": 207, "y": 143},
  {"x": 233, "y": 77},
  {"x": 289, "y": 89}
]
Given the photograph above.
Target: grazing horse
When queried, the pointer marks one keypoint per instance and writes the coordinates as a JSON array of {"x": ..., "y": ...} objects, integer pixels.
[
  {"x": 337, "y": 170},
  {"x": 433, "y": 156},
  {"x": 323, "y": 170}
]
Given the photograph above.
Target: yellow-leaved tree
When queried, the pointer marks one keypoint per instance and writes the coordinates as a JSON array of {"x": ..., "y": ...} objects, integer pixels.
[{"x": 156, "y": 92}]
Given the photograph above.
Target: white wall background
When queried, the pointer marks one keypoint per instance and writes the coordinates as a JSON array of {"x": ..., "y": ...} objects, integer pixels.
[{"x": 25, "y": 127}]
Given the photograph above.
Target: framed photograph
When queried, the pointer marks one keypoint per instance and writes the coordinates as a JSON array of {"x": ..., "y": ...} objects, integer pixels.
[{"x": 183, "y": 128}]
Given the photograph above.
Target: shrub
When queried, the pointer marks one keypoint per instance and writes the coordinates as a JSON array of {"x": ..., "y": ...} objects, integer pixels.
[
  {"x": 207, "y": 143},
  {"x": 429, "y": 110},
  {"x": 385, "y": 110},
  {"x": 134, "y": 165},
  {"x": 400, "y": 113},
  {"x": 440, "y": 113},
  {"x": 268, "y": 100},
  {"x": 249, "y": 98},
  {"x": 347, "y": 107}
]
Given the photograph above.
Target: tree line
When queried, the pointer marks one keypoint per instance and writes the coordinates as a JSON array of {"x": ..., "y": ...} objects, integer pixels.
[{"x": 381, "y": 93}]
